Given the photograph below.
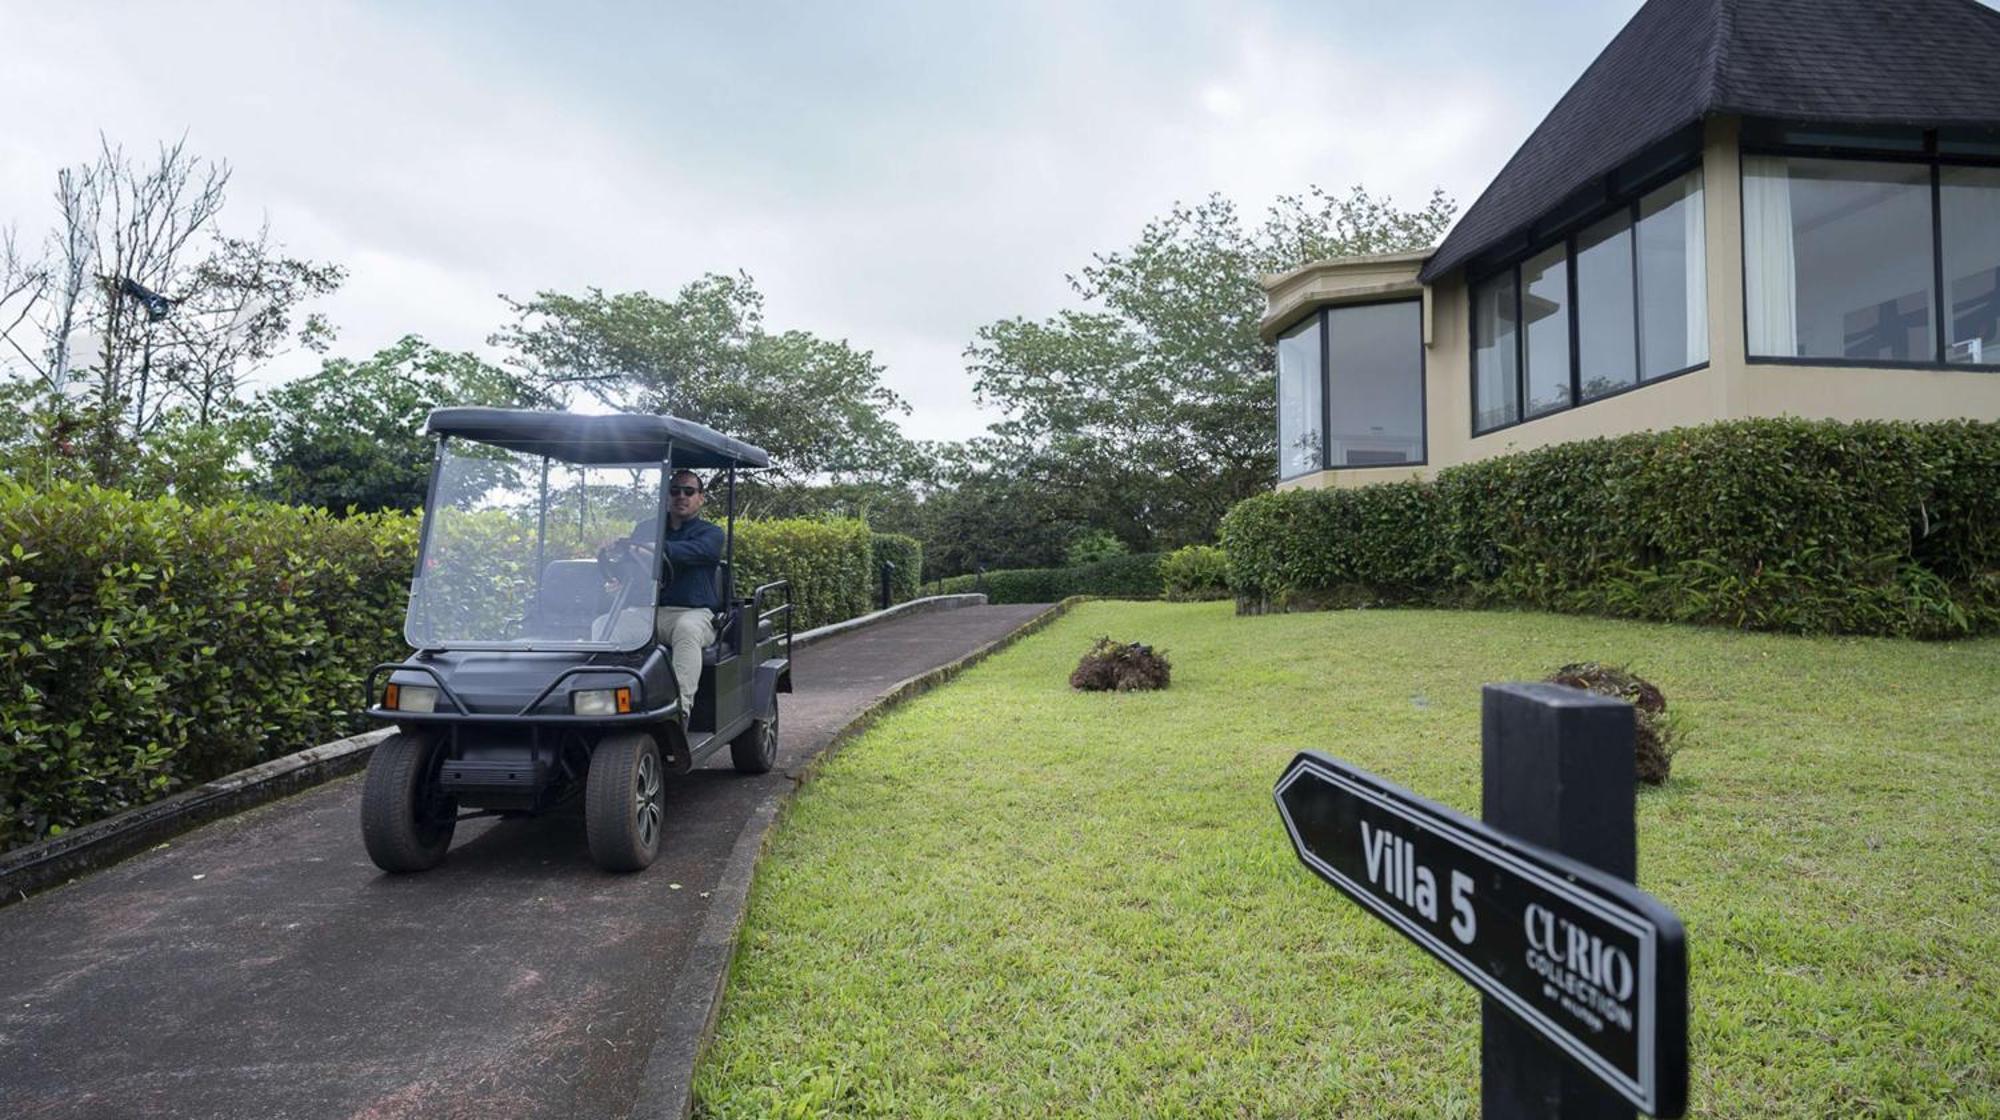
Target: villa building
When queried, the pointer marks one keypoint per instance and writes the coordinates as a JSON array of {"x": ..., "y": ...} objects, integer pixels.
[{"x": 1743, "y": 208}]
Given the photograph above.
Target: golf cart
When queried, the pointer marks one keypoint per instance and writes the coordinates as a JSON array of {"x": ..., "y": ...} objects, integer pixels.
[{"x": 538, "y": 676}]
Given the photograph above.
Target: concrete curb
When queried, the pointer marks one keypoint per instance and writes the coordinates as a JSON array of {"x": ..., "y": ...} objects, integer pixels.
[
  {"x": 915, "y": 606},
  {"x": 40, "y": 866},
  {"x": 666, "y": 1091},
  {"x": 37, "y": 867}
]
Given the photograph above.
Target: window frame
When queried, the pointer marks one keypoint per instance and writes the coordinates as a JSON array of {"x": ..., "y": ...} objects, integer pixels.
[
  {"x": 1930, "y": 155},
  {"x": 1319, "y": 316},
  {"x": 1628, "y": 204}
]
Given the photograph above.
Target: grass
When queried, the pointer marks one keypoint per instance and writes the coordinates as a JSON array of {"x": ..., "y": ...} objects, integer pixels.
[{"x": 1008, "y": 899}]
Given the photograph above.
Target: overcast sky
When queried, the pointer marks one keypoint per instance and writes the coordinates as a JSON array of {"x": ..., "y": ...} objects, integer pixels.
[{"x": 893, "y": 174}]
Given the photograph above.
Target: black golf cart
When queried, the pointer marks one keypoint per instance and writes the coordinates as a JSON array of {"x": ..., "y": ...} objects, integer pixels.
[{"x": 538, "y": 676}]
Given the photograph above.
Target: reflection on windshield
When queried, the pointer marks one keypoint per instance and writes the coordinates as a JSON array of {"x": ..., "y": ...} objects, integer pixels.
[{"x": 510, "y": 554}]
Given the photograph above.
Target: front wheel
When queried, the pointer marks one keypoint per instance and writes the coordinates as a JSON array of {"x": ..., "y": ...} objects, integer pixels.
[
  {"x": 406, "y": 821},
  {"x": 624, "y": 803},
  {"x": 755, "y": 751}
]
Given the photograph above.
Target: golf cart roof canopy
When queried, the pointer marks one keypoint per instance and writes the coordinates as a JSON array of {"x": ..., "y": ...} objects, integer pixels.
[{"x": 617, "y": 438}]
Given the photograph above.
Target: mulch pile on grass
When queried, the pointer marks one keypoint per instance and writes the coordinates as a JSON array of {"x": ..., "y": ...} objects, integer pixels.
[
  {"x": 1121, "y": 667},
  {"x": 1657, "y": 739}
]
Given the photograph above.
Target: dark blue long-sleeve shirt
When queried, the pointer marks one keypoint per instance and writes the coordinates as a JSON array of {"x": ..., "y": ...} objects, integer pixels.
[{"x": 695, "y": 550}]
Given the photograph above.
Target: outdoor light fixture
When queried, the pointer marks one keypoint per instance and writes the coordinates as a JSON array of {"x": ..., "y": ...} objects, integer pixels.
[
  {"x": 410, "y": 698},
  {"x": 157, "y": 306},
  {"x": 601, "y": 701}
]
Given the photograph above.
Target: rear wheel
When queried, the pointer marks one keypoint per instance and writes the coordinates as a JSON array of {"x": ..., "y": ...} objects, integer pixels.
[
  {"x": 624, "y": 802},
  {"x": 406, "y": 821},
  {"x": 755, "y": 751}
]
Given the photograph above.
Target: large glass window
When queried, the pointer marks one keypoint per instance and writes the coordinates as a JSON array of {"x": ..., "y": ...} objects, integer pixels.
[
  {"x": 1605, "y": 330},
  {"x": 1837, "y": 259},
  {"x": 1970, "y": 201},
  {"x": 1545, "y": 311},
  {"x": 1496, "y": 384},
  {"x": 1375, "y": 374},
  {"x": 1673, "y": 278},
  {"x": 1638, "y": 310},
  {"x": 1301, "y": 406}
]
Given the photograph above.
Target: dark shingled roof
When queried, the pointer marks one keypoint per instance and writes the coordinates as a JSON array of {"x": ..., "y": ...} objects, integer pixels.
[{"x": 1854, "y": 62}]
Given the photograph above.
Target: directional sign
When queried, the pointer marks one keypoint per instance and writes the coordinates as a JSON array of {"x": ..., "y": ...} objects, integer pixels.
[{"x": 1592, "y": 964}]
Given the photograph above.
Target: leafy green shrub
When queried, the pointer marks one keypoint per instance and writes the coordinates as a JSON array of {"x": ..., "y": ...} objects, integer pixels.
[
  {"x": 1806, "y": 526},
  {"x": 146, "y": 646},
  {"x": 1198, "y": 571},
  {"x": 827, "y": 561},
  {"x": 1136, "y": 576},
  {"x": 956, "y": 585},
  {"x": 907, "y": 553},
  {"x": 1375, "y": 544},
  {"x": 1092, "y": 547}
]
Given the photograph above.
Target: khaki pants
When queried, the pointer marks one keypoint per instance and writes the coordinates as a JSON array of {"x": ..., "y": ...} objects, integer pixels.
[{"x": 686, "y": 630}]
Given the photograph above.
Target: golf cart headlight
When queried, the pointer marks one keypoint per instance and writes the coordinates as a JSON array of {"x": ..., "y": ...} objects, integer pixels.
[
  {"x": 601, "y": 701},
  {"x": 410, "y": 698}
]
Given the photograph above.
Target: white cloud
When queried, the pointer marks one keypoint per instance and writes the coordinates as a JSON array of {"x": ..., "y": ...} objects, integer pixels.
[{"x": 443, "y": 163}]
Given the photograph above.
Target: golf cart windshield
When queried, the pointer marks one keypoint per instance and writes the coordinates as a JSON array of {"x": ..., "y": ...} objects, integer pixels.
[{"x": 510, "y": 557}]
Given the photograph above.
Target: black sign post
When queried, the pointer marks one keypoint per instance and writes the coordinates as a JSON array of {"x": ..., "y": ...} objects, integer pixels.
[{"x": 1584, "y": 975}]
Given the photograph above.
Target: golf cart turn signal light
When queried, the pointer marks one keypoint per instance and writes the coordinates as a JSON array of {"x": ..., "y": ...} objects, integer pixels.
[
  {"x": 410, "y": 698},
  {"x": 601, "y": 701}
]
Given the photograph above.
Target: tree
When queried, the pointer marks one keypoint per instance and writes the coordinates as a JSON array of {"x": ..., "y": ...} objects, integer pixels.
[
  {"x": 141, "y": 316},
  {"x": 993, "y": 516},
  {"x": 818, "y": 406},
  {"x": 349, "y": 435},
  {"x": 1154, "y": 407}
]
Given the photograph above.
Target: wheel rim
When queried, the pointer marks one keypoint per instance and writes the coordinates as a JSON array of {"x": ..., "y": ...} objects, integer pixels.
[
  {"x": 770, "y": 742},
  {"x": 646, "y": 790}
]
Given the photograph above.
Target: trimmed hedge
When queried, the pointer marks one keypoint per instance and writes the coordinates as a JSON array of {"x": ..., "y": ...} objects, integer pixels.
[
  {"x": 1194, "y": 573},
  {"x": 907, "y": 553},
  {"x": 1804, "y": 526},
  {"x": 829, "y": 564},
  {"x": 1125, "y": 577},
  {"x": 146, "y": 646}
]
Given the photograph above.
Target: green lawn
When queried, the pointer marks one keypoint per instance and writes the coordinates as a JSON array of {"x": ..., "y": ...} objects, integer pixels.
[{"x": 1008, "y": 899}]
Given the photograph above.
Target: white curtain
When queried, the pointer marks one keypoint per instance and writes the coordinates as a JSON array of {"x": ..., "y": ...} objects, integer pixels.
[
  {"x": 1695, "y": 231},
  {"x": 1770, "y": 269}
]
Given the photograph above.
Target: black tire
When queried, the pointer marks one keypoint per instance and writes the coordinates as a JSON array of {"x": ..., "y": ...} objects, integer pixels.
[
  {"x": 755, "y": 750},
  {"x": 406, "y": 821},
  {"x": 624, "y": 802}
]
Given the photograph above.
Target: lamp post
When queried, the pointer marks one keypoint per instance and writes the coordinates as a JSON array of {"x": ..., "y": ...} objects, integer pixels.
[{"x": 157, "y": 307}]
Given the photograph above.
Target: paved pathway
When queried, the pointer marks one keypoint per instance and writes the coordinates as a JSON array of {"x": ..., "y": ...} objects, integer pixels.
[{"x": 262, "y": 967}]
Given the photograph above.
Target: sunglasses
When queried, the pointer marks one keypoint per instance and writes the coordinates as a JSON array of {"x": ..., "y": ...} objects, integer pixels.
[{"x": 683, "y": 491}]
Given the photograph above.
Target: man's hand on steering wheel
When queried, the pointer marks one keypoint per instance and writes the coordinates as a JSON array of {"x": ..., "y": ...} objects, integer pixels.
[
  {"x": 626, "y": 558},
  {"x": 616, "y": 562}
]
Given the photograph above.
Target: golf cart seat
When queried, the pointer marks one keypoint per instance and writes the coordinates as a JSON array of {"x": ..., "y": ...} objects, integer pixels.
[
  {"x": 570, "y": 596},
  {"x": 727, "y": 624}
]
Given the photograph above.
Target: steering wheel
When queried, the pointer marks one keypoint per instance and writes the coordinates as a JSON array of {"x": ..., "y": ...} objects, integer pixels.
[{"x": 619, "y": 561}]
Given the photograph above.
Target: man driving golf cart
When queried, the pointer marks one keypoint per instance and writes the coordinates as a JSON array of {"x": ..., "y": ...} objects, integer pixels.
[
  {"x": 691, "y": 599},
  {"x": 549, "y": 668}
]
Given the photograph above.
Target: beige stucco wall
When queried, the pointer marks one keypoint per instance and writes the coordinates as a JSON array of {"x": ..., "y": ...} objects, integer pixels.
[{"x": 1731, "y": 387}]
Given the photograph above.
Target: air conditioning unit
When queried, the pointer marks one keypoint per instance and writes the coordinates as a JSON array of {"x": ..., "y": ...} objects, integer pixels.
[{"x": 1965, "y": 350}]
